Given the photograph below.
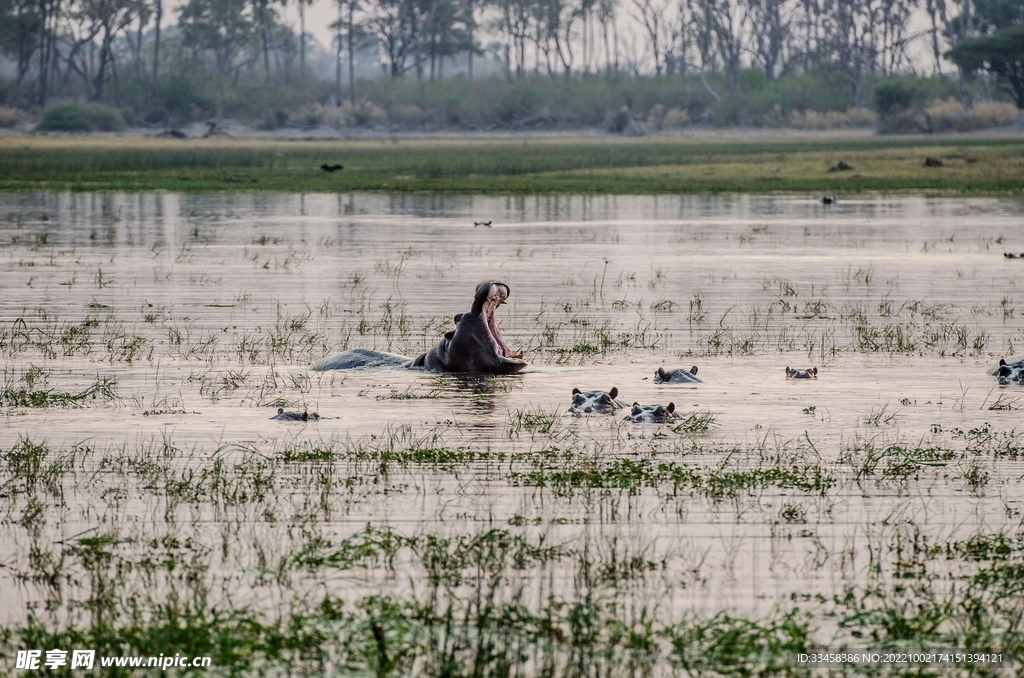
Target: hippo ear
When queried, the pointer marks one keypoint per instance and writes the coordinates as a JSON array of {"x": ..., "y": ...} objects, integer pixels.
[
  {"x": 576, "y": 390},
  {"x": 1002, "y": 362},
  {"x": 637, "y": 409},
  {"x": 280, "y": 410},
  {"x": 693, "y": 370},
  {"x": 449, "y": 335},
  {"x": 614, "y": 393},
  {"x": 671, "y": 408},
  {"x": 458, "y": 317},
  {"x": 814, "y": 371},
  {"x": 788, "y": 371}
]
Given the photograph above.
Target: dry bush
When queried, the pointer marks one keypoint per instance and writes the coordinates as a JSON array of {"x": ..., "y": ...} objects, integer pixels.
[
  {"x": 676, "y": 118},
  {"x": 8, "y": 116},
  {"x": 408, "y": 115},
  {"x": 365, "y": 112},
  {"x": 851, "y": 119},
  {"x": 949, "y": 116},
  {"x": 656, "y": 116},
  {"x": 993, "y": 114}
]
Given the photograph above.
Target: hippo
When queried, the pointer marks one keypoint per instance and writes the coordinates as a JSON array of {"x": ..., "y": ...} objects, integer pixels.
[
  {"x": 295, "y": 416},
  {"x": 652, "y": 414},
  {"x": 829, "y": 200},
  {"x": 596, "y": 402},
  {"x": 475, "y": 345},
  {"x": 1007, "y": 373},
  {"x": 680, "y": 376},
  {"x": 802, "y": 374},
  {"x": 1013, "y": 255}
]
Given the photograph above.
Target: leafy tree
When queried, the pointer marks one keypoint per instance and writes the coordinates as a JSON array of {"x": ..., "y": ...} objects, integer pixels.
[
  {"x": 396, "y": 26},
  {"x": 220, "y": 26},
  {"x": 1000, "y": 48},
  {"x": 21, "y": 26},
  {"x": 1000, "y": 52}
]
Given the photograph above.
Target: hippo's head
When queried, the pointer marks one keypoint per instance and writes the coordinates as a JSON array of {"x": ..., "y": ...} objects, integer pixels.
[
  {"x": 652, "y": 414},
  {"x": 599, "y": 402}
]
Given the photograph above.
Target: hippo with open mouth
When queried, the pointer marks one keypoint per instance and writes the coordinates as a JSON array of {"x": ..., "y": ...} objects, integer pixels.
[
  {"x": 652, "y": 414},
  {"x": 680, "y": 376},
  {"x": 801, "y": 374},
  {"x": 595, "y": 402},
  {"x": 475, "y": 345},
  {"x": 1007, "y": 373}
]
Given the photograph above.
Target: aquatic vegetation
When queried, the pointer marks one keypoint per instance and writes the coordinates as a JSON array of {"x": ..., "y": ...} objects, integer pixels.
[{"x": 104, "y": 388}]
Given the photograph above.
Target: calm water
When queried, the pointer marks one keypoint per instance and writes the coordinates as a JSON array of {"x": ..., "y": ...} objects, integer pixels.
[{"x": 209, "y": 309}]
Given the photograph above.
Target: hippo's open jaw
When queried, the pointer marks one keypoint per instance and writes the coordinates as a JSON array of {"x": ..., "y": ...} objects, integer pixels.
[{"x": 496, "y": 296}]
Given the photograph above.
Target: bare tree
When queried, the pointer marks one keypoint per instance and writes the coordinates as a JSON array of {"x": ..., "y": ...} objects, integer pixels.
[
  {"x": 515, "y": 23},
  {"x": 701, "y": 28},
  {"x": 848, "y": 45},
  {"x": 724, "y": 21},
  {"x": 771, "y": 34},
  {"x": 662, "y": 30},
  {"x": 895, "y": 38},
  {"x": 606, "y": 15}
]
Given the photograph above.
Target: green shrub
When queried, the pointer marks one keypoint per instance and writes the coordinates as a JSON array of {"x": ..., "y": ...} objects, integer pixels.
[
  {"x": 105, "y": 118},
  {"x": 71, "y": 116},
  {"x": 893, "y": 97},
  {"x": 66, "y": 116}
]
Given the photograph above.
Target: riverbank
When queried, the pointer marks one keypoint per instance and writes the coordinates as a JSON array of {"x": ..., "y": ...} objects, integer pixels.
[{"x": 704, "y": 162}]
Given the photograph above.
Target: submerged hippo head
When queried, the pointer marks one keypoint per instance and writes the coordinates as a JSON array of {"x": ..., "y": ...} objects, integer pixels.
[
  {"x": 595, "y": 402},
  {"x": 679, "y": 376},
  {"x": 652, "y": 414},
  {"x": 295, "y": 416},
  {"x": 801, "y": 374},
  {"x": 1010, "y": 373},
  {"x": 475, "y": 345}
]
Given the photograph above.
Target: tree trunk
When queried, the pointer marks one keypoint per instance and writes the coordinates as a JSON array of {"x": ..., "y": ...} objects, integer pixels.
[
  {"x": 351, "y": 55},
  {"x": 339, "y": 46},
  {"x": 302, "y": 40},
  {"x": 156, "y": 41}
]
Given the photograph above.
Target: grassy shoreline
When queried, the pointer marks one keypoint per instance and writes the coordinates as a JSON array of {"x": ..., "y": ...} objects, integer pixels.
[{"x": 716, "y": 162}]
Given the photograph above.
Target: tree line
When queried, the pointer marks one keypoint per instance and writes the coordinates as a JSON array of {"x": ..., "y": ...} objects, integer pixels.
[{"x": 79, "y": 48}]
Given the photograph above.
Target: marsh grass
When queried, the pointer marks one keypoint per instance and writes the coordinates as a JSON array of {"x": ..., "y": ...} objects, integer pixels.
[
  {"x": 696, "y": 423},
  {"x": 394, "y": 599},
  {"x": 104, "y": 388}
]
